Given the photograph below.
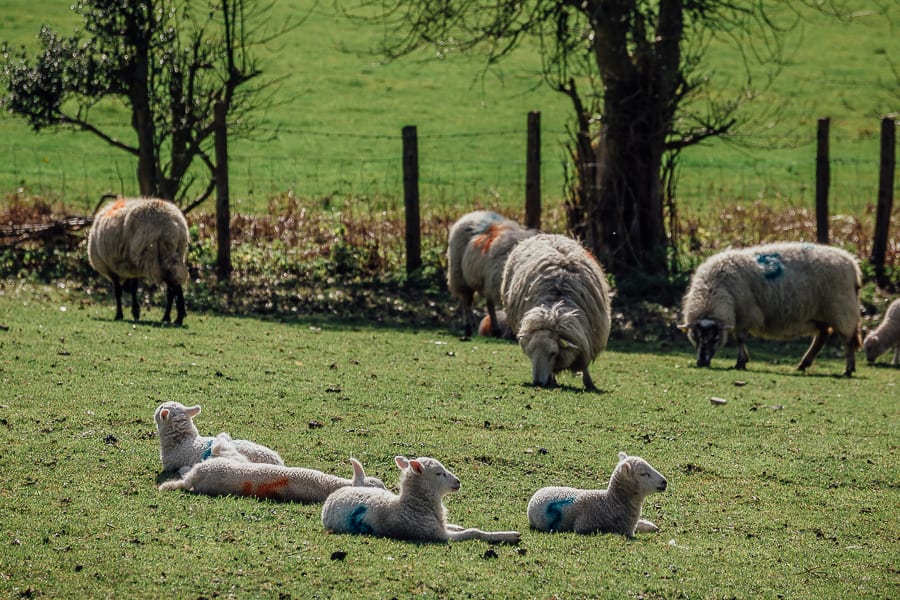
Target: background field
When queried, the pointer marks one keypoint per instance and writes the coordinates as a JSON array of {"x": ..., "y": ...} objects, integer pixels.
[
  {"x": 334, "y": 132},
  {"x": 789, "y": 490}
]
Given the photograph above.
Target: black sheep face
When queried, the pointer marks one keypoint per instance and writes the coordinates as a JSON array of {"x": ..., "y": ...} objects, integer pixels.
[{"x": 707, "y": 336}]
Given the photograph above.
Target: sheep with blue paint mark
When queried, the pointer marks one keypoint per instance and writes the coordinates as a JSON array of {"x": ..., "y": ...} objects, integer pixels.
[
  {"x": 418, "y": 514},
  {"x": 181, "y": 445},
  {"x": 617, "y": 509},
  {"x": 780, "y": 291},
  {"x": 229, "y": 473},
  {"x": 477, "y": 248},
  {"x": 886, "y": 335}
]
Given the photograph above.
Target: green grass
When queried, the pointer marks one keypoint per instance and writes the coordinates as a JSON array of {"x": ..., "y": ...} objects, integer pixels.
[
  {"x": 339, "y": 112},
  {"x": 789, "y": 490}
]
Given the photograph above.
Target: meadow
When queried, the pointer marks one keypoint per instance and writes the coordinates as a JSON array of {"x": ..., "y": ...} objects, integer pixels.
[
  {"x": 790, "y": 490},
  {"x": 332, "y": 134}
]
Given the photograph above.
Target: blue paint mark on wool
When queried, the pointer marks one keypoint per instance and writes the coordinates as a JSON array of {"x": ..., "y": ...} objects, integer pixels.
[
  {"x": 554, "y": 511},
  {"x": 489, "y": 220},
  {"x": 355, "y": 522},
  {"x": 207, "y": 449},
  {"x": 771, "y": 265}
]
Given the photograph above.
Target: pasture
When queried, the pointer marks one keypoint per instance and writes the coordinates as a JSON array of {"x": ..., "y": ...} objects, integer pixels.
[{"x": 790, "y": 490}]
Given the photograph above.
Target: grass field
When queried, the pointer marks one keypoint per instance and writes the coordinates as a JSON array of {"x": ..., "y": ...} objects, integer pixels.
[
  {"x": 334, "y": 132},
  {"x": 790, "y": 490}
]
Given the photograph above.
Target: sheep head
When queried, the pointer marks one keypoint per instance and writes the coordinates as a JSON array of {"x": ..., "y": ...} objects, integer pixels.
[
  {"x": 428, "y": 472},
  {"x": 707, "y": 336},
  {"x": 636, "y": 473},
  {"x": 547, "y": 336}
]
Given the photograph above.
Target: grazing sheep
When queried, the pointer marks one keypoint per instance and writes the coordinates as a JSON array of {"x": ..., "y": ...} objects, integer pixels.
[
  {"x": 557, "y": 300},
  {"x": 180, "y": 444},
  {"x": 417, "y": 514},
  {"x": 885, "y": 336},
  {"x": 224, "y": 476},
  {"x": 477, "y": 248},
  {"x": 617, "y": 509},
  {"x": 779, "y": 291},
  {"x": 141, "y": 238},
  {"x": 487, "y": 327}
]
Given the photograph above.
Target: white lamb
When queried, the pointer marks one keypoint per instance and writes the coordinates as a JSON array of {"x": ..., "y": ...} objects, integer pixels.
[
  {"x": 417, "y": 514},
  {"x": 181, "y": 445},
  {"x": 886, "y": 335},
  {"x": 617, "y": 509},
  {"x": 223, "y": 475},
  {"x": 557, "y": 300},
  {"x": 141, "y": 238},
  {"x": 477, "y": 248},
  {"x": 779, "y": 291}
]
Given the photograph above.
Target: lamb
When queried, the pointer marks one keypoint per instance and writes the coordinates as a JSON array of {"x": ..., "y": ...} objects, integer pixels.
[
  {"x": 780, "y": 291},
  {"x": 478, "y": 246},
  {"x": 499, "y": 328},
  {"x": 418, "y": 514},
  {"x": 557, "y": 300},
  {"x": 617, "y": 509},
  {"x": 885, "y": 336},
  {"x": 181, "y": 445},
  {"x": 141, "y": 238},
  {"x": 223, "y": 475}
]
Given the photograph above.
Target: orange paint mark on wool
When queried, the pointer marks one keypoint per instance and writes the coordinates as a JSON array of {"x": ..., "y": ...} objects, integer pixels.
[
  {"x": 271, "y": 489},
  {"x": 483, "y": 241},
  {"x": 247, "y": 489},
  {"x": 116, "y": 207}
]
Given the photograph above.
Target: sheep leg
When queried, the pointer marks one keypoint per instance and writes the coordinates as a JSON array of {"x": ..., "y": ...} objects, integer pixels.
[
  {"x": 506, "y": 537},
  {"x": 743, "y": 356},
  {"x": 465, "y": 303},
  {"x": 174, "y": 292},
  {"x": 132, "y": 285},
  {"x": 588, "y": 382},
  {"x": 852, "y": 347},
  {"x": 815, "y": 347},
  {"x": 896, "y": 360},
  {"x": 492, "y": 313},
  {"x": 117, "y": 288}
]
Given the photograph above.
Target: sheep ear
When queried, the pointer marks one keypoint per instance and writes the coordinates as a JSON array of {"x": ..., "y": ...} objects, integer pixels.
[
  {"x": 402, "y": 462},
  {"x": 416, "y": 466},
  {"x": 566, "y": 344},
  {"x": 359, "y": 475},
  {"x": 622, "y": 456},
  {"x": 164, "y": 414},
  {"x": 192, "y": 411}
]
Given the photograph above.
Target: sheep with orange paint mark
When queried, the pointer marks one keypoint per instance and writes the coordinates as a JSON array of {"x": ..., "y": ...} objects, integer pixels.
[
  {"x": 181, "y": 445},
  {"x": 417, "y": 514},
  {"x": 228, "y": 473},
  {"x": 141, "y": 238},
  {"x": 478, "y": 246},
  {"x": 557, "y": 300}
]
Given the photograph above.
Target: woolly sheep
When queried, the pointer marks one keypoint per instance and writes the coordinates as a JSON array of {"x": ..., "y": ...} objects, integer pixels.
[
  {"x": 617, "y": 509},
  {"x": 417, "y": 514},
  {"x": 224, "y": 476},
  {"x": 477, "y": 248},
  {"x": 885, "y": 336},
  {"x": 181, "y": 445},
  {"x": 141, "y": 238},
  {"x": 557, "y": 300},
  {"x": 780, "y": 291}
]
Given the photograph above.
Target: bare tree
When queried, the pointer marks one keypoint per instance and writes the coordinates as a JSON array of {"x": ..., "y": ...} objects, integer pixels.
[{"x": 168, "y": 61}]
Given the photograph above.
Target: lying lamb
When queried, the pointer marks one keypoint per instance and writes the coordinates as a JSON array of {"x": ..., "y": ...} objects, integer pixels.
[
  {"x": 417, "y": 514},
  {"x": 141, "y": 238},
  {"x": 499, "y": 328},
  {"x": 557, "y": 300},
  {"x": 477, "y": 248},
  {"x": 617, "y": 509},
  {"x": 180, "y": 444},
  {"x": 779, "y": 291},
  {"x": 885, "y": 336}
]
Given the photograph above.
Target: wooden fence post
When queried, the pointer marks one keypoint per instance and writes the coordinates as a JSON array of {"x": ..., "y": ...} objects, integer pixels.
[
  {"x": 823, "y": 180},
  {"x": 533, "y": 172},
  {"x": 885, "y": 198},
  {"x": 223, "y": 210},
  {"x": 411, "y": 198}
]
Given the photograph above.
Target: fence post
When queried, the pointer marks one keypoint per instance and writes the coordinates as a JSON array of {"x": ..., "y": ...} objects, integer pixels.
[
  {"x": 885, "y": 198},
  {"x": 823, "y": 180},
  {"x": 411, "y": 198},
  {"x": 533, "y": 172},
  {"x": 223, "y": 211}
]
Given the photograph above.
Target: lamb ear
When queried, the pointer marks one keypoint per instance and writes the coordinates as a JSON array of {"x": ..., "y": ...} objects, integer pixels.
[
  {"x": 402, "y": 462},
  {"x": 359, "y": 475},
  {"x": 192, "y": 411},
  {"x": 566, "y": 344},
  {"x": 416, "y": 466},
  {"x": 164, "y": 414},
  {"x": 622, "y": 456}
]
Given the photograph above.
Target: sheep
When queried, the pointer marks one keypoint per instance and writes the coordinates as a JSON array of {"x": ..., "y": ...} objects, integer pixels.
[
  {"x": 617, "y": 509},
  {"x": 885, "y": 336},
  {"x": 557, "y": 300},
  {"x": 418, "y": 514},
  {"x": 181, "y": 445},
  {"x": 225, "y": 476},
  {"x": 477, "y": 248},
  {"x": 141, "y": 238},
  {"x": 488, "y": 327},
  {"x": 780, "y": 291}
]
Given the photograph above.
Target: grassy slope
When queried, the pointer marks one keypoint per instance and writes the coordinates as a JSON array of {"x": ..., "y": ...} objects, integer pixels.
[
  {"x": 836, "y": 69},
  {"x": 791, "y": 489}
]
